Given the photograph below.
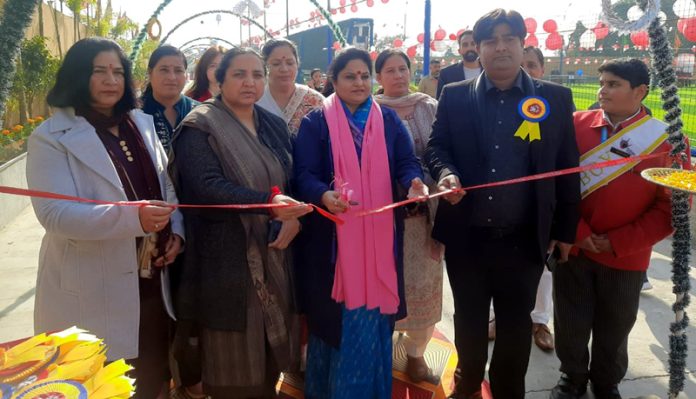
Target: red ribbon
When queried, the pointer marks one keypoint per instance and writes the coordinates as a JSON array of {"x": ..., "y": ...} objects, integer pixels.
[
  {"x": 48, "y": 195},
  {"x": 538, "y": 176},
  {"x": 329, "y": 215}
]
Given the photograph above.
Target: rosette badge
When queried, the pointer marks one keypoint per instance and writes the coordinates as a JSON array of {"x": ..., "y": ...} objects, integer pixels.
[{"x": 533, "y": 110}]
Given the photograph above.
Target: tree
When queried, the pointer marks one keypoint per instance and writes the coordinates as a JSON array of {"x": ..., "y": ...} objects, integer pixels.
[
  {"x": 16, "y": 18},
  {"x": 36, "y": 72},
  {"x": 77, "y": 6},
  {"x": 140, "y": 63}
]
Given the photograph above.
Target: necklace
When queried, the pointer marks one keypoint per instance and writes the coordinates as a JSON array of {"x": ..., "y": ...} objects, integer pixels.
[{"x": 125, "y": 150}]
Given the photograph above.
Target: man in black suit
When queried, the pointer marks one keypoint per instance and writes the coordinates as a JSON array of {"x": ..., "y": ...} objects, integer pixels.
[
  {"x": 468, "y": 68},
  {"x": 497, "y": 239}
]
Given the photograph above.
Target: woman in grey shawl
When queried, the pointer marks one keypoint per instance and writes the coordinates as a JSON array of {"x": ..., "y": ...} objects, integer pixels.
[
  {"x": 422, "y": 255},
  {"x": 236, "y": 281}
]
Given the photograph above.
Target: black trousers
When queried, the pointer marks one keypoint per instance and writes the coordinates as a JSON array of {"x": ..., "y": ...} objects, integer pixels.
[
  {"x": 507, "y": 270},
  {"x": 590, "y": 298}
]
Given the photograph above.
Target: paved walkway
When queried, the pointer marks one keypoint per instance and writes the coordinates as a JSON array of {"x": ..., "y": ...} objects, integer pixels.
[{"x": 648, "y": 345}]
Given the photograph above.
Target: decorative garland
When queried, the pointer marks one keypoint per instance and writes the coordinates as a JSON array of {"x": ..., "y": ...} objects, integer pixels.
[
  {"x": 662, "y": 56},
  {"x": 245, "y": 5},
  {"x": 150, "y": 24},
  {"x": 177, "y": 26},
  {"x": 16, "y": 18},
  {"x": 651, "y": 9},
  {"x": 183, "y": 46},
  {"x": 138, "y": 45},
  {"x": 334, "y": 27}
]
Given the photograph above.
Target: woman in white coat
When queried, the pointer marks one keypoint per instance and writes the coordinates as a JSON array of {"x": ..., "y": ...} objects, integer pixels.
[{"x": 100, "y": 265}]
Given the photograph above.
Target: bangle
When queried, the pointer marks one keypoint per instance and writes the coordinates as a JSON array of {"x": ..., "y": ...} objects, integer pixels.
[{"x": 275, "y": 190}]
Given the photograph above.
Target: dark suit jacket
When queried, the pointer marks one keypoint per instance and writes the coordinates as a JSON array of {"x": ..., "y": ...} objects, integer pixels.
[
  {"x": 451, "y": 74},
  {"x": 457, "y": 146}
]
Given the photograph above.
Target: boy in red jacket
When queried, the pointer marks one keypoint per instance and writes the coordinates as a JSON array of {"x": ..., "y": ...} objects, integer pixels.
[{"x": 622, "y": 216}]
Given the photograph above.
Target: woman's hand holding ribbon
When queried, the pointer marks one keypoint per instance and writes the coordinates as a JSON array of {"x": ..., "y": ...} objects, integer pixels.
[
  {"x": 296, "y": 210},
  {"x": 418, "y": 189},
  {"x": 154, "y": 215},
  {"x": 334, "y": 202}
]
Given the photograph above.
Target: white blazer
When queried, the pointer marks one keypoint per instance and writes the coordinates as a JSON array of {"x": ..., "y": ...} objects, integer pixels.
[{"x": 88, "y": 273}]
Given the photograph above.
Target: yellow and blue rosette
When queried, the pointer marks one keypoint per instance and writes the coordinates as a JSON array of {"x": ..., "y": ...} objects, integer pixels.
[{"x": 532, "y": 109}]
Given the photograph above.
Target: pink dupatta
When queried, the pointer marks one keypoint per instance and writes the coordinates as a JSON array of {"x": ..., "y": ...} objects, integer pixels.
[{"x": 365, "y": 265}]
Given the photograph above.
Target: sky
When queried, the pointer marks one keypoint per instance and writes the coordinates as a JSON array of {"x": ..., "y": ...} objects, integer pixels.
[{"x": 390, "y": 17}]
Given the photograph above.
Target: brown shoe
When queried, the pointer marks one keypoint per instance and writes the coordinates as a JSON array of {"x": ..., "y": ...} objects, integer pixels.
[
  {"x": 491, "y": 330},
  {"x": 542, "y": 337},
  {"x": 418, "y": 371}
]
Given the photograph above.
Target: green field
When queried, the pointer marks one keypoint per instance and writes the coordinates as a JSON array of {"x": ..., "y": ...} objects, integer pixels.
[{"x": 585, "y": 94}]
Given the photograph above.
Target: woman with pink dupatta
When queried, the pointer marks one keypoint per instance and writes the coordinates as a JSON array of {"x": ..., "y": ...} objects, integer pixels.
[{"x": 350, "y": 156}]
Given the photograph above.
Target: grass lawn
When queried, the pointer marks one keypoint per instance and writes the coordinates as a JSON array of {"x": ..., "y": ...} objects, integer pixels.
[{"x": 585, "y": 95}]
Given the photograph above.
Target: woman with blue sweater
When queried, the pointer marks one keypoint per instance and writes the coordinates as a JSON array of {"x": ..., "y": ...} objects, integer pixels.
[{"x": 351, "y": 155}]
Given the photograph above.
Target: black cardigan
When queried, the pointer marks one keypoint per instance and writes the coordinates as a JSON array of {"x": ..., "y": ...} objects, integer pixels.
[{"x": 215, "y": 276}]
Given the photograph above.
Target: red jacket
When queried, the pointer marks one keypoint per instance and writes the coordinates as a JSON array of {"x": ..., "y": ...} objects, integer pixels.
[{"x": 633, "y": 212}]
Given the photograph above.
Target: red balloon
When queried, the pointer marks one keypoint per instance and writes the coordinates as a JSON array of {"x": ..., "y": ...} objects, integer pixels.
[
  {"x": 554, "y": 41},
  {"x": 440, "y": 34},
  {"x": 385, "y": 1},
  {"x": 354, "y": 8},
  {"x": 337, "y": 45},
  {"x": 370, "y": 3},
  {"x": 334, "y": 11},
  {"x": 373, "y": 55},
  {"x": 640, "y": 38},
  {"x": 460, "y": 31},
  {"x": 411, "y": 52},
  {"x": 452, "y": 36},
  {"x": 342, "y": 2},
  {"x": 531, "y": 41},
  {"x": 550, "y": 26},
  {"x": 689, "y": 30},
  {"x": 398, "y": 42},
  {"x": 432, "y": 45},
  {"x": 421, "y": 37},
  {"x": 680, "y": 24},
  {"x": 342, "y": 10},
  {"x": 601, "y": 31},
  {"x": 530, "y": 24}
]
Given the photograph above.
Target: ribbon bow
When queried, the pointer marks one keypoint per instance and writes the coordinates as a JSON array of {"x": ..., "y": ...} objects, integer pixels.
[{"x": 533, "y": 110}]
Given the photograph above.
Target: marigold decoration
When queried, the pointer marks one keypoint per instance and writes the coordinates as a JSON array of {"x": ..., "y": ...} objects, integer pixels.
[
  {"x": 67, "y": 364},
  {"x": 6, "y": 132},
  {"x": 684, "y": 180}
]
